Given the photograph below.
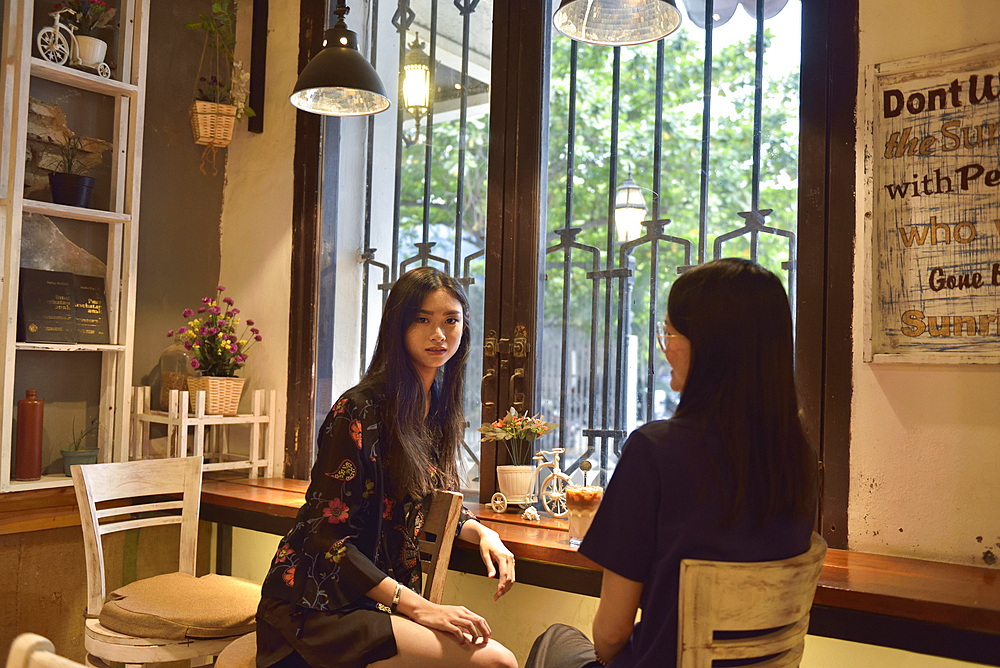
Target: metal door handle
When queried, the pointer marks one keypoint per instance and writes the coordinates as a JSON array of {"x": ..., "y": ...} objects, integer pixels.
[{"x": 482, "y": 388}]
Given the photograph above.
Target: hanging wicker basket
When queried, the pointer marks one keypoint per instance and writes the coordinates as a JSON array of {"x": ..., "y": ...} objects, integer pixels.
[
  {"x": 222, "y": 395},
  {"x": 212, "y": 123}
]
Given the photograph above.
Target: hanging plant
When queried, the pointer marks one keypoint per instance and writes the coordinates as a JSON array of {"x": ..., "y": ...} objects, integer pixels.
[{"x": 222, "y": 87}]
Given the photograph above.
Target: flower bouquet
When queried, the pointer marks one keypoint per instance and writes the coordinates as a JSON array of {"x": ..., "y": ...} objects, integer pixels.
[
  {"x": 89, "y": 15},
  {"x": 217, "y": 351}
]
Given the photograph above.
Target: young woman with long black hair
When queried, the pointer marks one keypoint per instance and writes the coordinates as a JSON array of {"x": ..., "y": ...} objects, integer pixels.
[
  {"x": 730, "y": 477},
  {"x": 352, "y": 556}
]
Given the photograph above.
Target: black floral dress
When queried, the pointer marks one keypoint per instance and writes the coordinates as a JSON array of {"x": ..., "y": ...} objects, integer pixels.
[{"x": 348, "y": 536}]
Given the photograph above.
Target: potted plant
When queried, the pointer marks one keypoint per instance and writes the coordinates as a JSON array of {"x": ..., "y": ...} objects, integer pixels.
[
  {"x": 88, "y": 16},
  {"x": 518, "y": 432},
  {"x": 223, "y": 87},
  {"x": 69, "y": 182},
  {"x": 78, "y": 450},
  {"x": 218, "y": 353}
]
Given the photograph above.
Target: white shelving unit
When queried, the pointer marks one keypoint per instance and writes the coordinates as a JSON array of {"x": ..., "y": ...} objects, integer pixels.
[
  {"x": 127, "y": 91},
  {"x": 210, "y": 438}
]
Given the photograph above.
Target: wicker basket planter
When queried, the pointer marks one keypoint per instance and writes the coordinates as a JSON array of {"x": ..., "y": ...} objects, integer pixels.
[
  {"x": 212, "y": 123},
  {"x": 222, "y": 395}
]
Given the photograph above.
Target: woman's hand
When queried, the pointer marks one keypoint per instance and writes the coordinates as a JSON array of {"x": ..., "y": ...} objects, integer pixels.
[
  {"x": 456, "y": 620},
  {"x": 492, "y": 549}
]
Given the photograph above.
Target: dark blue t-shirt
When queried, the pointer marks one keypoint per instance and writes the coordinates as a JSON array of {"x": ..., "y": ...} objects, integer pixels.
[{"x": 667, "y": 501}]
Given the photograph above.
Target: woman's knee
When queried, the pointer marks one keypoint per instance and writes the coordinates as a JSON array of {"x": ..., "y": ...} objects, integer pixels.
[{"x": 495, "y": 655}]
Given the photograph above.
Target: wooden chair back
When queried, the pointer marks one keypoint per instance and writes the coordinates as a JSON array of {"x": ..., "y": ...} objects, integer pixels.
[
  {"x": 436, "y": 539},
  {"x": 130, "y": 495},
  {"x": 30, "y": 650},
  {"x": 751, "y": 596}
]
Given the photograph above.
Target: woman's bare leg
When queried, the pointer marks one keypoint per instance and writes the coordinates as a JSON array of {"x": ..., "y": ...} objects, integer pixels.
[{"x": 421, "y": 647}]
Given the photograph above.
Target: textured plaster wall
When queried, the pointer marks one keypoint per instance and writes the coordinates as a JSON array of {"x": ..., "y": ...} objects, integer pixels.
[
  {"x": 257, "y": 208},
  {"x": 925, "y": 465}
]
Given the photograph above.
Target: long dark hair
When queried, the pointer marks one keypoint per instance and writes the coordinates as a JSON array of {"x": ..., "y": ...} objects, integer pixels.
[
  {"x": 736, "y": 315},
  {"x": 391, "y": 375}
]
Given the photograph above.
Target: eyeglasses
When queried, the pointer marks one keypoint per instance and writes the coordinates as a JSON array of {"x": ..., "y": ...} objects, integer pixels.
[{"x": 663, "y": 336}]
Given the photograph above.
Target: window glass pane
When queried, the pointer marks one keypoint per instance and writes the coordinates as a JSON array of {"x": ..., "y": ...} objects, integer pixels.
[
  {"x": 439, "y": 150},
  {"x": 637, "y": 113}
]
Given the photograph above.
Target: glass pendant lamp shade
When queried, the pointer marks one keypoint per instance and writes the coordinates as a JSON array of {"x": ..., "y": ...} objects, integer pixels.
[
  {"x": 339, "y": 81},
  {"x": 616, "y": 22},
  {"x": 630, "y": 210}
]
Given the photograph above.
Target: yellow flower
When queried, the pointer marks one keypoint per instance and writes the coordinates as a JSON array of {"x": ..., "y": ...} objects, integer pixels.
[{"x": 243, "y": 342}]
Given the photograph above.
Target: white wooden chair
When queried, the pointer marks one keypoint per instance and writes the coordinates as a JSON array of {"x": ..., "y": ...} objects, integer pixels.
[
  {"x": 30, "y": 650},
  {"x": 436, "y": 539},
  {"x": 752, "y": 596},
  {"x": 168, "y": 617}
]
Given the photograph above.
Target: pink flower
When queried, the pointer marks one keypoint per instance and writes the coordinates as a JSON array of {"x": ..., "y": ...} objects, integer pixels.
[
  {"x": 206, "y": 300},
  {"x": 214, "y": 310},
  {"x": 220, "y": 288},
  {"x": 250, "y": 322},
  {"x": 234, "y": 311},
  {"x": 255, "y": 330},
  {"x": 182, "y": 330},
  {"x": 170, "y": 333},
  {"x": 202, "y": 331},
  {"x": 187, "y": 313},
  {"x": 228, "y": 300},
  {"x": 187, "y": 345},
  {"x": 336, "y": 512},
  {"x": 258, "y": 338},
  {"x": 201, "y": 310},
  {"x": 234, "y": 349},
  {"x": 195, "y": 364}
]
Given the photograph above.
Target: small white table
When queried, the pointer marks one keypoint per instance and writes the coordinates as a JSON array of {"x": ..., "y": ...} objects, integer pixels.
[{"x": 211, "y": 438}]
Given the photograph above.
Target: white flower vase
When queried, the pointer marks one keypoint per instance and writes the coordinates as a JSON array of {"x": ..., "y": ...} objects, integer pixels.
[
  {"x": 515, "y": 482},
  {"x": 91, "y": 51}
]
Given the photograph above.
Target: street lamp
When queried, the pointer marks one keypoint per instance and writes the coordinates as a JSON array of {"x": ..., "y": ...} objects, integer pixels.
[
  {"x": 630, "y": 210},
  {"x": 416, "y": 84}
]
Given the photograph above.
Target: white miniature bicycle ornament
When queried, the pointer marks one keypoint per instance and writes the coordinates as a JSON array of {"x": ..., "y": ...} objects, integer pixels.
[
  {"x": 552, "y": 491},
  {"x": 54, "y": 46}
]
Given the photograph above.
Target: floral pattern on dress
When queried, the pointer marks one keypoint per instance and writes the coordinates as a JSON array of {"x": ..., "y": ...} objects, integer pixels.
[{"x": 350, "y": 534}]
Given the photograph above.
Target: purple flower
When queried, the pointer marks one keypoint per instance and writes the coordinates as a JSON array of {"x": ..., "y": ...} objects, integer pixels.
[
  {"x": 187, "y": 345},
  {"x": 182, "y": 330},
  {"x": 222, "y": 323},
  {"x": 240, "y": 359},
  {"x": 170, "y": 333},
  {"x": 250, "y": 322},
  {"x": 195, "y": 364},
  {"x": 234, "y": 311},
  {"x": 258, "y": 338},
  {"x": 187, "y": 313},
  {"x": 202, "y": 331},
  {"x": 255, "y": 330},
  {"x": 201, "y": 310},
  {"x": 206, "y": 300},
  {"x": 214, "y": 310},
  {"x": 228, "y": 300},
  {"x": 234, "y": 349},
  {"x": 220, "y": 288}
]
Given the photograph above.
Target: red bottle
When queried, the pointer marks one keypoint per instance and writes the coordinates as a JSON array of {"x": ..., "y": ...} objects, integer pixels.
[{"x": 29, "y": 437}]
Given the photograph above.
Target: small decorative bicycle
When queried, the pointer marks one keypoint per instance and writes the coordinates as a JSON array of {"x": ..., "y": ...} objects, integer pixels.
[
  {"x": 56, "y": 48},
  {"x": 552, "y": 490}
]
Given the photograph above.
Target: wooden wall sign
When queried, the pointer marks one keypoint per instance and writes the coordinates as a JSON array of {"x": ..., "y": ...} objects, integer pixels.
[{"x": 932, "y": 165}]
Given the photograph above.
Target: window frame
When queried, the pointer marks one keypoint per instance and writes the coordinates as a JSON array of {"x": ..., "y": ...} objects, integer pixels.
[{"x": 824, "y": 300}]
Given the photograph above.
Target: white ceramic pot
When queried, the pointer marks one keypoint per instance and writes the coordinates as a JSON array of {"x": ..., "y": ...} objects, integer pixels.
[
  {"x": 91, "y": 50},
  {"x": 515, "y": 482}
]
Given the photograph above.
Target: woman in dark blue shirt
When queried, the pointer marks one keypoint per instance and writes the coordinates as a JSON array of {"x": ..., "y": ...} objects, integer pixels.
[{"x": 731, "y": 477}]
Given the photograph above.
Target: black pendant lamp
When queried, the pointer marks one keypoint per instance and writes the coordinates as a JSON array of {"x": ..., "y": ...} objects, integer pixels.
[
  {"x": 339, "y": 81},
  {"x": 616, "y": 22}
]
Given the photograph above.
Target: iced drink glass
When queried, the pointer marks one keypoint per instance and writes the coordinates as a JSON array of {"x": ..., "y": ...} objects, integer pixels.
[{"x": 581, "y": 504}]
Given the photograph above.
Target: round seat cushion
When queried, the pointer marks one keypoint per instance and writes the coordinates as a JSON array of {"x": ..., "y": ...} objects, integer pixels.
[
  {"x": 178, "y": 605},
  {"x": 241, "y": 653}
]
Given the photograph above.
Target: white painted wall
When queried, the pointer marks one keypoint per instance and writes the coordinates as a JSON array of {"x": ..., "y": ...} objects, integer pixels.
[
  {"x": 924, "y": 458},
  {"x": 257, "y": 209}
]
